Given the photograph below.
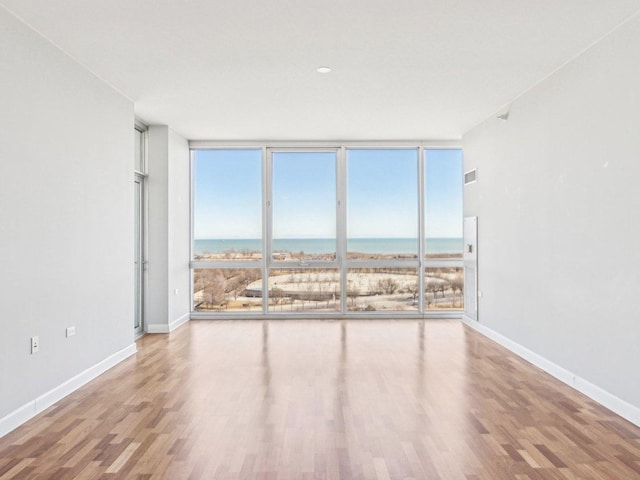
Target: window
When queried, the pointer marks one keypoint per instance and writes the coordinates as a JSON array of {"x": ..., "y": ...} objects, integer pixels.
[
  {"x": 304, "y": 206},
  {"x": 382, "y": 289},
  {"x": 444, "y": 288},
  {"x": 443, "y": 206},
  {"x": 227, "y": 289},
  {"x": 382, "y": 204},
  {"x": 443, "y": 280},
  {"x": 139, "y": 149},
  {"x": 327, "y": 231},
  {"x": 304, "y": 290},
  {"x": 227, "y": 205}
]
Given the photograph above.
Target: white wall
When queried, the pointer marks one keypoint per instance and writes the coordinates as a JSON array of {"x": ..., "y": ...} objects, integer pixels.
[
  {"x": 156, "y": 305},
  {"x": 66, "y": 217},
  {"x": 557, "y": 200},
  {"x": 180, "y": 225},
  {"x": 169, "y": 207}
]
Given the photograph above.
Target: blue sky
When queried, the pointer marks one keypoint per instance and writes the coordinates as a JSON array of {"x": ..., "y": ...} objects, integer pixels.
[
  {"x": 443, "y": 193},
  {"x": 304, "y": 195},
  {"x": 382, "y": 194},
  {"x": 228, "y": 194}
]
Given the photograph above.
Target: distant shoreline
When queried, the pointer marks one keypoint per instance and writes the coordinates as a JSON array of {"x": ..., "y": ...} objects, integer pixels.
[
  {"x": 298, "y": 256},
  {"x": 371, "y": 248}
]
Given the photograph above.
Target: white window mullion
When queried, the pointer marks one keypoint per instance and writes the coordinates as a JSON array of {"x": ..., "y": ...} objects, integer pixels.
[
  {"x": 267, "y": 222},
  {"x": 422, "y": 227},
  {"x": 342, "y": 226},
  {"x": 191, "y": 228}
]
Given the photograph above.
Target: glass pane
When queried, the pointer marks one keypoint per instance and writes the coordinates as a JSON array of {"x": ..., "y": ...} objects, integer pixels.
[
  {"x": 304, "y": 290},
  {"x": 382, "y": 204},
  {"x": 443, "y": 198},
  {"x": 444, "y": 288},
  {"x": 138, "y": 154},
  {"x": 387, "y": 289},
  {"x": 227, "y": 289},
  {"x": 227, "y": 204},
  {"x": 137, "y": 254},
  {"x": 304, "y": 206}
]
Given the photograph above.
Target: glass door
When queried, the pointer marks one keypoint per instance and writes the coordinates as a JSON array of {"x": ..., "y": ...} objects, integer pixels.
[{"x": 138, "y": 254}]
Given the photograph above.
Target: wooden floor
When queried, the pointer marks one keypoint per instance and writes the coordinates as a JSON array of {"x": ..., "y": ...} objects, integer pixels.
[{"x": 323, "y": 400}]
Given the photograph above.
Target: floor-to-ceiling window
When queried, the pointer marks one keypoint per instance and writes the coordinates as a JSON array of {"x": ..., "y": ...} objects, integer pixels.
[
  {"x": 227, "y": 230},
  {"x": 327, "y": 230},
  {"x": 382, "y": 229},
  {"x": 443, "y": 280},
  {"x": 303, "y": 270}
]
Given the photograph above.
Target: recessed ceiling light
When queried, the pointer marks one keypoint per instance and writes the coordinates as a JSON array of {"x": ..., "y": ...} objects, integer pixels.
[{"x": 323, "y": 70}]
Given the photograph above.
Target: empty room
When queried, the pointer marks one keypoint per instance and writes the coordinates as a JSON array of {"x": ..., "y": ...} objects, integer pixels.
[{"x": 355, "y": 239}]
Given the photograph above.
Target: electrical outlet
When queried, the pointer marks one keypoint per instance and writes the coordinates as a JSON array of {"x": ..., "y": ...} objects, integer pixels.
[
  {"x": 71, "y": 331},
  {"x": 35, "y": 345}
]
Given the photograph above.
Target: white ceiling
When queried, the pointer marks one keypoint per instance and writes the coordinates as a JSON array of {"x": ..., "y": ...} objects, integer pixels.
[{"x": 246, "y": 69}]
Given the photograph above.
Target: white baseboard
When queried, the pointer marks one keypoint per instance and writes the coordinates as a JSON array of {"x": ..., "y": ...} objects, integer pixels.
[
  {"x": 162, "y": 328},
  {"x": 41, "y": 403},
  {"x": 615, "y": 404},
  {"x": 178, "y": 322}
]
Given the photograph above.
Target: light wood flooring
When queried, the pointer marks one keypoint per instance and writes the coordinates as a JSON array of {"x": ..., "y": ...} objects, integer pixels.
[{"x": 323, "y": 400}]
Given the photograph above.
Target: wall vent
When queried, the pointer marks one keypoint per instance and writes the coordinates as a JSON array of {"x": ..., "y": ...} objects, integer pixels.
[{"x": 470, "y": 176}]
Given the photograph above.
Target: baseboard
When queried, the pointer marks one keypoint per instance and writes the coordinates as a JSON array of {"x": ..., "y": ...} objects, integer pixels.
[
  {"x": 178, "y": 322},
  {"x": 615, "y": 404},
  {"x": 17, "y": 418},
  {"x": 156, "y": 328},
  {"x": 41, "y": 403},
  {"x": 162, "y": 328}
]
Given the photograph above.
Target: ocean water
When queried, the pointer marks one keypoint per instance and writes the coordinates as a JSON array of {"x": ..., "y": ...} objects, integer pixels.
[{"x": 323, "y": 245}]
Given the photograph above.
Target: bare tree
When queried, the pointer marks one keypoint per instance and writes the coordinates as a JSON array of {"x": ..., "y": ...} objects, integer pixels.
[
  {"x": 457, "y": 285},
  {"x": 413, "y": 289},
  {"x": 233, "y": 286},
  {"x": 387, "y": 285},
  {"x": 214, "y": 287},
  {"x": 433, "y": 288},
  {"x": 443, "y": 287},
  {"x": 309, "y": 293},
  {"x": 277, "y": 297},
  {"x": 249, "y": 275}
]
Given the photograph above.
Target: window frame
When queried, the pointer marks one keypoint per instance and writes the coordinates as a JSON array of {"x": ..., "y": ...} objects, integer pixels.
[{"x": 267, "y": 263}]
